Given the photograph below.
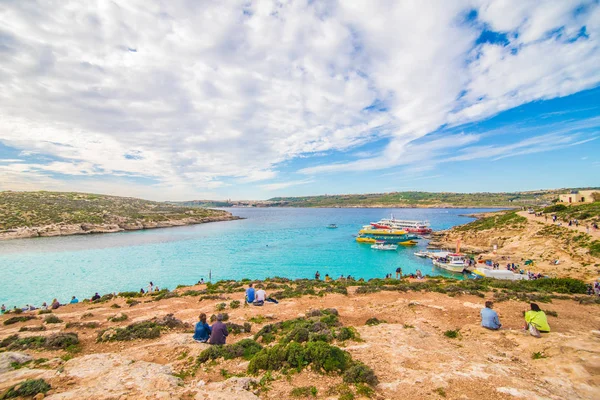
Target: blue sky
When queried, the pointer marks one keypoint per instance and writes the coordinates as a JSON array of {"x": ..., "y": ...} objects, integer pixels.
[{"x": 251, "y": 100}]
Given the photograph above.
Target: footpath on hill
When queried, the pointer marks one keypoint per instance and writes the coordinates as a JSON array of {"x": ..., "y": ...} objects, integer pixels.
[{"x": 584, "y": 228}]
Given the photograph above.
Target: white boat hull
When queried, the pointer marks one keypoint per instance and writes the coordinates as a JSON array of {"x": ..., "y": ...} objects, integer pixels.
[
  {"x": 449, "y": 267},
  {"x": 500, "y": 274}
]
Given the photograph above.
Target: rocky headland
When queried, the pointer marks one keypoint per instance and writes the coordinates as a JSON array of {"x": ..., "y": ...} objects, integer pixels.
[{"x": 41, "y": 214}]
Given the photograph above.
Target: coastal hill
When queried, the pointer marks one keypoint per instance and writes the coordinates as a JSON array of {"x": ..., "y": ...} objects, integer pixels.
[
  {"x": 519, "y": 236},
  {"x": 381, "y": 339},
  {"x": 425, "y": 199},
  {"x": 33, "y": 214}
]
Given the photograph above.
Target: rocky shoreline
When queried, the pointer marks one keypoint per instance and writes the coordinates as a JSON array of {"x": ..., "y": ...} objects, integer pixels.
[{"x": 118, "y": 226}]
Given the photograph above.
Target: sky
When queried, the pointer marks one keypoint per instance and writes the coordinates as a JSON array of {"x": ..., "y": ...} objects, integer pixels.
[{"x": 185, "y": 99}]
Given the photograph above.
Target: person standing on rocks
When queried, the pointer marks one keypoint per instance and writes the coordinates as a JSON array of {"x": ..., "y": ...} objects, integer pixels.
[
  {"x": 398, "y": 273},
  {"x": 218, "y": 331}
]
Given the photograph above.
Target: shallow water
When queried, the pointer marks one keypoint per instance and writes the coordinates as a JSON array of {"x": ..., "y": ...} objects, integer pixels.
[{"x": 289, "y": 242}]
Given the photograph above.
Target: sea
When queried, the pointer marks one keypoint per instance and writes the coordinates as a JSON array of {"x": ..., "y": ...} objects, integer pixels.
[{"x": 286, "y": 242}]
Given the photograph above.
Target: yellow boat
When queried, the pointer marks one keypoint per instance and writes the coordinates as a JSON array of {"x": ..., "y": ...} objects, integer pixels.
[{"x": 408, "y": 243}]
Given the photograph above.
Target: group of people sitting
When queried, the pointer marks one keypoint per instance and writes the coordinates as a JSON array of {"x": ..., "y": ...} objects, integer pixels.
[
  {"x": 258, "y": 297},
  {"x": 55, "y": 304},
  {"x": 215, "y": 334},
  {"x": 535, "y": 319}
]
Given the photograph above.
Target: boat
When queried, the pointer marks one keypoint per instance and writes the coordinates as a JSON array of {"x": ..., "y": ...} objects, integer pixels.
[
  {"x": 421, "y": 254},
  {"x": 381, "y": 245},
  {"x": 499, "y": 274},
  {"x": 331, "y": 226},
  {"x": 389, "y": 236},
  {"x": 420, "y": 227},
  {"x": 409, "y": 243},
  {"x": 454, "y": 262}
]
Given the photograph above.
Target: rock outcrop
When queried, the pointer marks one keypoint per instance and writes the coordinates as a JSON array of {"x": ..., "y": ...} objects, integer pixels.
[{"x": 109, "y": 376}]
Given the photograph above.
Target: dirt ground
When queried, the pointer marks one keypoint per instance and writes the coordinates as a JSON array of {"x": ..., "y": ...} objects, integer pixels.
[{"x": 409, "y": 353}]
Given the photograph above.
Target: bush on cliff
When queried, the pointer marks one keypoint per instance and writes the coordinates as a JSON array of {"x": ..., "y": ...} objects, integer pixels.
[
  {"x": 21, "y": 318},
  {"x": 28, "y": 388}
]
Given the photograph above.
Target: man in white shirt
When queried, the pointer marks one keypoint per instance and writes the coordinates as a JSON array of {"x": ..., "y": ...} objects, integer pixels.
[{"x": 260, "y": 297}]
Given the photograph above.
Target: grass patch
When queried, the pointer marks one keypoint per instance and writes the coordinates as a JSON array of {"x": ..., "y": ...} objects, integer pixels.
[
  {"x": 30, "y": 387},
  {"x": 245, "y": 348},
  {"x": 139, "y": 330},
  {"x": 440, "y": 391},
  {"x": 374, "y": 321},
  {"x": 259, "y": 319},
  {"x": 118, "y": 318},
  {"x": 21, "y": 318},
  {"x": 538, "y": 355},
  {"x": 452, "y": 334},
  {"x": 304, "y": 391},
  {"x": 52, "y": 319},
  {"x": 220, "y": 306},
  {"x": 235, "y": 304}
]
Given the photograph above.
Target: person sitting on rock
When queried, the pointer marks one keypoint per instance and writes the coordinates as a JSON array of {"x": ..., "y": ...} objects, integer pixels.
[
  {"x": 55, "y": 304},
  {"x": 219, "y": 331},
  {"x": 96, "y": 297},
  {"x": 537, "y": 318},
  {"x": 327, "y": 278},
  {"x": 142, "y": 291},
  {"x": 250, "y": 294},
  {"x": 260, "y": 296},
  {"x": 44, "y": 306},
  {"x": 398, "y": 273},
  {"x": 2, "y": 309},
  {"x": 74, "y": 300},
  {"x": 489, "y": 317},
  {"x": 419, "y": 274},
  {"x": 202, "y": 330}
]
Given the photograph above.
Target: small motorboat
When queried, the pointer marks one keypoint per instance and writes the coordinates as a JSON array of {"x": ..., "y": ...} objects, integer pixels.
[
  {"x": 332, "y": 226},
  {"x": 421, "y": 254},
  {"x": 408, "y": 243},
  {"x": 381, "y": 245}
]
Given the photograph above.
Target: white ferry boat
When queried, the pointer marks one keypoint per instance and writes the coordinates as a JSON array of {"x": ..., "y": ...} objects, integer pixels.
[{"x": 420, "y": 227}]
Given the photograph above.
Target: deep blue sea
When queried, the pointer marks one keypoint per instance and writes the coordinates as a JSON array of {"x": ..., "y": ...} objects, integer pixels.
[{"x": 288, "y": 242}]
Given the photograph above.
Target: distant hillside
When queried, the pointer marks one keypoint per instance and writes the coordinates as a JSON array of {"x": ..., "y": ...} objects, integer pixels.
[
  {"x": 424, "y": 199},
  {"x": 30, "y": 214}
]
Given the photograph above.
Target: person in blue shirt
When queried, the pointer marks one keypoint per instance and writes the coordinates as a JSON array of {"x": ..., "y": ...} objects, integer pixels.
[
  {"x": 203, "y": 330},
  {"x": 74, "y": 300},
  {"x": 489, "y": 317},
  {"x": 250, "y": 294}
]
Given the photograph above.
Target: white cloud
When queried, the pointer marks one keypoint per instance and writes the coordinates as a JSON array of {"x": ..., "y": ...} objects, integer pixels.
[
  {"x": 283, "y": 185},
  {"x": 196, "y": 94}
]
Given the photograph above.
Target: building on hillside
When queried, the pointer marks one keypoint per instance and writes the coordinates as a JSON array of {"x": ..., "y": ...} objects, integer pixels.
[{"x": 578, "y": 196}]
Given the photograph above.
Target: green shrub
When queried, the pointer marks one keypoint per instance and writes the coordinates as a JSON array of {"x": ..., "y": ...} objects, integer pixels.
[
  {"x": 360, "y": 373},
  {"x": 555, "y": 208},
  {"x": 61, "y": 341},
  {"x": 22, "y": 318},
  {"x": 118, "y": 318},
  {"x": 304, "y": 391},
  {"x": 245, "y": 348},
  {"x": 32, "y": 328},
  {"x": 52, "y": 319},
  {"x": 234, "y": 304},
  {"x": 374, "y": 321},
  {"x": 115, "y": 305},
  {"x": 330, "y": 320},
  {"x": 28, "y": 388},
  {"x": 44, "y": 312},
  {"x": 138, "y": 330},
  {"x": 213, "y": 317},
  {"x": 551, "y": 313},
  {"x": 128, "y": 295},
  {"x": 236, "y": 329},
  {"x": 538, "y": 355},
  {"x": 346, "y": 333},
  {"x": 364, "y": 390},
  {"x": 452, "y": 334},
  {"x": 220, "y": 306},
  {"x": 323, "y": 356}
]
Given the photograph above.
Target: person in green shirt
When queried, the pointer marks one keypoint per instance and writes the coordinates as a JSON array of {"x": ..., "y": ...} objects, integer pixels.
[{"x": 537, "y": 318}]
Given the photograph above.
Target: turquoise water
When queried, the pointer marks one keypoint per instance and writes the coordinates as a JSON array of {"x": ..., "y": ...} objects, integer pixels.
[{"x": 289, "y": 242}]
